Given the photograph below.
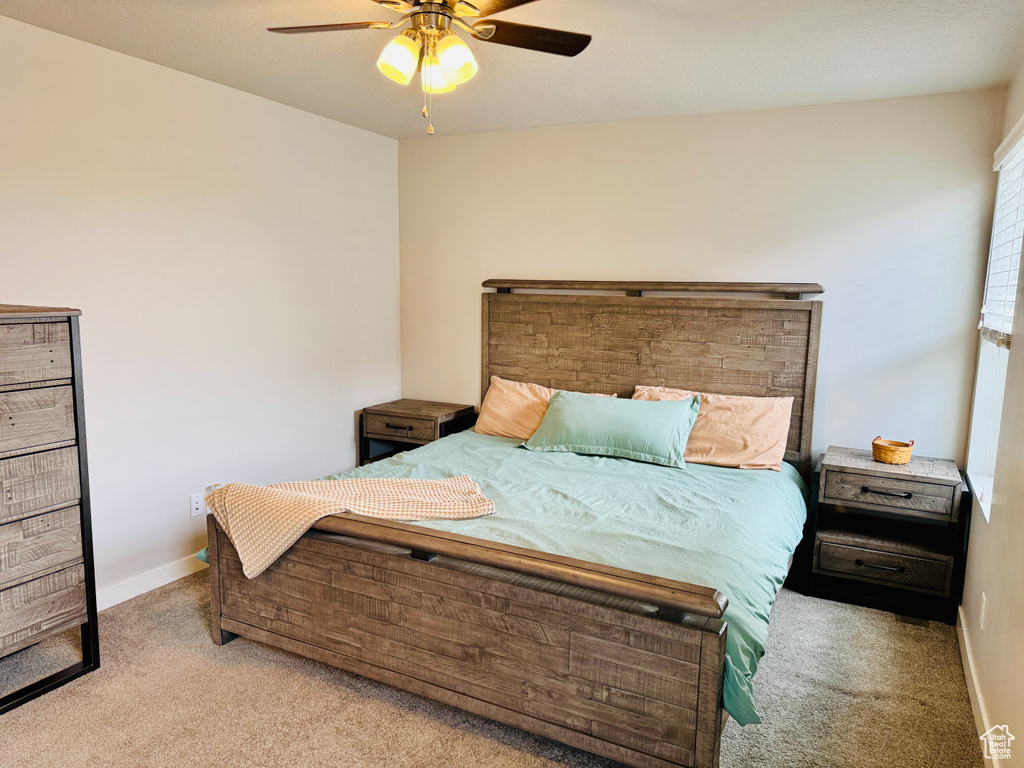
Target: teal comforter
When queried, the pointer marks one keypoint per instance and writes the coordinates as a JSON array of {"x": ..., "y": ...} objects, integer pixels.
[{"x": 730, "y": 529}]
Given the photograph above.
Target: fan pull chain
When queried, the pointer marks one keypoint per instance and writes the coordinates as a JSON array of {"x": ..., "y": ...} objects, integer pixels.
[
  {"x": 428, "y": 105},
  {"x": 428, "y": 96}
]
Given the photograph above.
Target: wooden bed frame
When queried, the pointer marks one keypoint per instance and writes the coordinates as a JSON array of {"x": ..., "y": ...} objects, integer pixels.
[{"x": 622, "y": 664}]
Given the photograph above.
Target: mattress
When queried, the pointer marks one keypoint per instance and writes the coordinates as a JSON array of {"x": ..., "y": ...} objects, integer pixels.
[{"x": 730, "y": 529}]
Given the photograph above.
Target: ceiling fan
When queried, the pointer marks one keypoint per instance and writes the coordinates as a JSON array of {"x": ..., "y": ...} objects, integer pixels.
[{"x": 431, "y": 46}]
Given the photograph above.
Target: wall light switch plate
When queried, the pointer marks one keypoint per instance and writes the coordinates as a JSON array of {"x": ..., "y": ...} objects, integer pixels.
[{"x": 196, "y": 505}]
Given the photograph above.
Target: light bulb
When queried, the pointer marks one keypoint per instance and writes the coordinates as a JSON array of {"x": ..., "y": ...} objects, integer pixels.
[
  {"x": 433, "y": 77},
  {"x": 457, "y": 62},
  {"x": 399, "y": 59}
]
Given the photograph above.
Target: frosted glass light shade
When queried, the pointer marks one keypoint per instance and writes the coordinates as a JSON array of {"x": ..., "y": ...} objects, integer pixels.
[
  {"x": 457, "y": 62},
  {"x": 433, "y": 77},
  {"x": 399, "y": 59}
]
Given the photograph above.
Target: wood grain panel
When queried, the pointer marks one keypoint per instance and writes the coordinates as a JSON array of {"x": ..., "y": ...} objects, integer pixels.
[
  {"x": 480, "y": 707},
  {"x": 217, "y": 633},
  {"x": 610, "y": 344},
  {"x": 665, "y": 750},
  {"x": 893, "y": 494},
  {"x": 638, "y": 681},
  {"x": 34, "y": 352},
  {"x": 451, "y": 657},
  {"x": 34, "y": 418},
  {"x": 39, "y": 543},
  {"x": 709, "y": 713},
  {"x": 437, "y": 578},
  {"x": 422, "y": 409},
  {"x": 36, "y": 608},
  {"x": 686, "y": 651},
  {"x": 38, "y": 482},
  {"x": 625, "y": 655},
  {"x": 398, "y": 426},
  {"x": 882, "y": 561},
  {"x": 436, "y": 626},
  {"x": 690, "y": 598}
]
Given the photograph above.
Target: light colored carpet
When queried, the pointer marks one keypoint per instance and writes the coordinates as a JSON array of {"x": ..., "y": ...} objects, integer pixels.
[{"x": 839, "y": 687}]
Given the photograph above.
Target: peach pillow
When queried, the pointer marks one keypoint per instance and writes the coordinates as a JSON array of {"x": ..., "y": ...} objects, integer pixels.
[
  {"x": 514, "y": 408},
  {"x": 733, "y": 431}
]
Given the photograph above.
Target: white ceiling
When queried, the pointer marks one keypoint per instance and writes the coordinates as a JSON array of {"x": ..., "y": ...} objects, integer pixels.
[{"x": 649, "y": 58}]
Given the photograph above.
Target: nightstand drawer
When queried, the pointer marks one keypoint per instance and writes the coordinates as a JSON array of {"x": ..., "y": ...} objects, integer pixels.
[
  {"x": 895, "y": 495},
  {"x": 379, "y": 425},
  {"x": 895, "y": 569}
]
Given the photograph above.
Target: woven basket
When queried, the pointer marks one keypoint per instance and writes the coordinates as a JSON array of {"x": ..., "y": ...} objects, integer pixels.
[{"x": 891, "y": 451}]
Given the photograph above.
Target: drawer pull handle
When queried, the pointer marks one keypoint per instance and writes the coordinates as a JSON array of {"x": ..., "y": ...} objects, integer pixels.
[
  {"x": 398, "y": 426},
  {"x": 893, "y": 568},
  {"x": 894, "y": 494}
]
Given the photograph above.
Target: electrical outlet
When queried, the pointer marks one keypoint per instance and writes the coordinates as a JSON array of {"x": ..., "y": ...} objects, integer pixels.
[
  {"x": 197, "y": 507},
  {"x": 981, "y": 613}
]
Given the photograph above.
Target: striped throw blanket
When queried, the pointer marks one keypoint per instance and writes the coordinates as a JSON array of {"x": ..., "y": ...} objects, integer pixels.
[{"x": 263, "y": 521}]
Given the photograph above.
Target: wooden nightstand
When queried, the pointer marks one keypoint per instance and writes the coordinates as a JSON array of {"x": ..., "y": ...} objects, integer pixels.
[
  {"x": 402, "y": 425},
  {"x": 888, "y": 536}
]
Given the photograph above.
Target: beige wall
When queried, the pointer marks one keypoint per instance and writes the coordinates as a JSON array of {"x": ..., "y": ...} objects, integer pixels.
[
  {"x": 237, "y": 265},
  {"x": 995, "y": 564},
  {"x": 888, "y": 204},
  {"x": 1014, "y": 101}
]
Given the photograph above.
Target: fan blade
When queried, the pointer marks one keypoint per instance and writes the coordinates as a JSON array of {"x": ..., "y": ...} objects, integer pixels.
[
  {"x": 534, "y": 38},
  {"x": 331, "y": 27},
  {"x": 488, "y": 7}
]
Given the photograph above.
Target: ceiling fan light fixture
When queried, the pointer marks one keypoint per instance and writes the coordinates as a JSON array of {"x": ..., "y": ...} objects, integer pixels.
[
  {"x": 399, "y": 59},
  {"x": 457, "y": 61},
  {"x": 433, "y": 76},
  {"x": 431, "y": 46}
]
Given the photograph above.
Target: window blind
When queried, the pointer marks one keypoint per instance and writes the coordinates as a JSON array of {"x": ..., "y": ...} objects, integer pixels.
[{"x": 1004, "y": 256}]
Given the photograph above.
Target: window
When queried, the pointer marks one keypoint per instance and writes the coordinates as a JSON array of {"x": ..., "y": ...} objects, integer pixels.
[{"x": 996, "y": 324}]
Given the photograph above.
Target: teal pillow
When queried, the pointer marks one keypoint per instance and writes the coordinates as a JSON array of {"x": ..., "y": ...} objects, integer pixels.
[{"x": 652, "y": 431}]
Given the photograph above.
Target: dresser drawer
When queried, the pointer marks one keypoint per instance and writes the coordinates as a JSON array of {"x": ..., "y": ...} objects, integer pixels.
[
  {"x": 38, "y": 482},
  {"x": 905, "y": 497},
  {"x": 31, "y": 611},
  {"x": 379, "y": 425},
  {"x": 32, "y": 352},
  {"x": 39, "y": 543},
  {"x": 868, "y": 561},
  {"x": 31, "y": 418}
]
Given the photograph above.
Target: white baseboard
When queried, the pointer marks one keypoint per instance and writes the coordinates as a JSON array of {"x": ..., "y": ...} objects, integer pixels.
[
  {"x": 148, "y": 581},
  {"x": 981, "y": 721}
]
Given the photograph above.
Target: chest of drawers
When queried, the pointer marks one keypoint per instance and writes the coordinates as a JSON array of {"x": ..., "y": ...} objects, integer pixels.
[{"x": 47, "y": 584}]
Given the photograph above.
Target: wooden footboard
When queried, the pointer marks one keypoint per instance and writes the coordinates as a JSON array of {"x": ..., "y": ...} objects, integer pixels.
[{"x": 596, "y": 669}]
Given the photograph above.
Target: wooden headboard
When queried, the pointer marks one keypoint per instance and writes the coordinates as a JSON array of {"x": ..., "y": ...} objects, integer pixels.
[{"x": 610, "y": 343}]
